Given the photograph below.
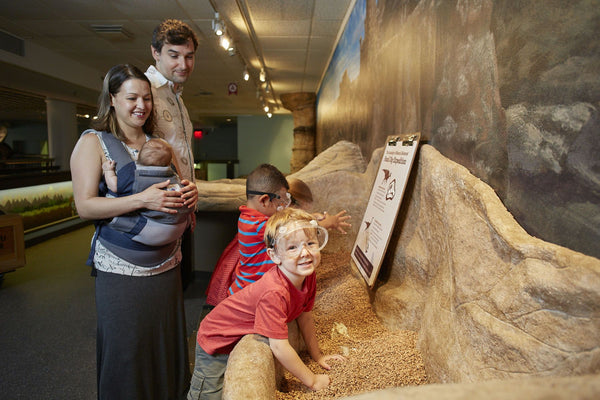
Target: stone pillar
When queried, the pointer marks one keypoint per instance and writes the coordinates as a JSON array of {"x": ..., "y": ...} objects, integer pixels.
[
  {"x": 62, "y": 131},
  {"x": 302, "y": 106}
]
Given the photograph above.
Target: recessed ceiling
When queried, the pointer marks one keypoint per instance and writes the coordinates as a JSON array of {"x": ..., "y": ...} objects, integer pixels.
[{"x": 293, "y": 39}]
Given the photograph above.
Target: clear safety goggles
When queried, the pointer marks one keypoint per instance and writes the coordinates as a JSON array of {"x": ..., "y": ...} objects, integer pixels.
[
  {"x": 283, "y": 202},
  {"x": 293, "y": 238}
]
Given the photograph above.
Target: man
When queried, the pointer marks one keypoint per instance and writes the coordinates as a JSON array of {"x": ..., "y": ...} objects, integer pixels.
[{"x": 173, "y": 48}]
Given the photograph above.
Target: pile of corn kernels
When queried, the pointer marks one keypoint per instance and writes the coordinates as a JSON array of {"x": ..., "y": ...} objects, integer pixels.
[{"x": 376, "y": 357}]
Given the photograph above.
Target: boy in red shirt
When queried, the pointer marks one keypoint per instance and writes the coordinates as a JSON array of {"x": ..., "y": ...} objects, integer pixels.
[
  {"x": 286, "y": 292},
  {"x": 225, "y": 272}
]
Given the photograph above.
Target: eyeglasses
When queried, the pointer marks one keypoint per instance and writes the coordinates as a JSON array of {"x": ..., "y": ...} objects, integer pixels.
[
  {"x": 286, "y": 202},
  {"x": 292, "y": 239}
]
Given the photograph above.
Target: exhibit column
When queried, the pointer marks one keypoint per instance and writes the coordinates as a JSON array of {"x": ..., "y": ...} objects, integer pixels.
[
  {"x": 302, "y": 106},
  {"x": 62, "y": 131}
]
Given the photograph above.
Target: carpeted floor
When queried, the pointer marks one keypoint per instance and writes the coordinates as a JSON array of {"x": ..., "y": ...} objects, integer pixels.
[{"x": 48, "y": 322}]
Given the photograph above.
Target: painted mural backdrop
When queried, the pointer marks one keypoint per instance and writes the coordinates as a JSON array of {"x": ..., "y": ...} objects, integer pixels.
[
  {"x": 508, "y": 89},
  {"x": 39, "y": 205}
]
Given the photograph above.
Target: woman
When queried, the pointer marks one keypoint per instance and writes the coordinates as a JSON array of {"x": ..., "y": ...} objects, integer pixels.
[{"x": 141, "y": 338}]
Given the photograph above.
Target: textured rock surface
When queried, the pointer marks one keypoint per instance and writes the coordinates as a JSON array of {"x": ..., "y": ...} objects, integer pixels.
[
  {"x": 221, "y": 195},
  {"x": 250, "y": 371},
  {"x": 488, "y": 300},
  {"x": 454, "y": 69},
  {"x": 580, "y": 387},
  {"x": 556, "y": 143},
  {"x": 302, "y": 106},
  {"x": 332, "y": 165}
]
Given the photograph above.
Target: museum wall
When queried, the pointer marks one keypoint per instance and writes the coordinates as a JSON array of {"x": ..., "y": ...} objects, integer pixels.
[
  {"x": 261, "y": 139},
  {"x": 510, "y": 90}
]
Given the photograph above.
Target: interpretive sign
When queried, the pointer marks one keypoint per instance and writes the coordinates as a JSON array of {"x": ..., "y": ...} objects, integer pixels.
[{"x": 384, "y": 203}]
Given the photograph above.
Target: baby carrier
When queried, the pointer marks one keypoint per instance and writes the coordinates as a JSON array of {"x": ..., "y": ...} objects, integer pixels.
[{"x": 133, "y": 237}]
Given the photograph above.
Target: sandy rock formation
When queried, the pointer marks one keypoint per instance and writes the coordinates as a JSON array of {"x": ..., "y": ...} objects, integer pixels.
[
  {"x": 250, "y": 370},
  {"x": 489, "y": 301},
  {"x": 566, "y": 388},
  {"x": 342, "y": 164},
  {"x": 221, "y": 195}
]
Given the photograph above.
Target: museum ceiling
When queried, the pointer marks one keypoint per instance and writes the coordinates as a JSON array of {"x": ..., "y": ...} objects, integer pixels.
[{"x": 292, "y": 41}]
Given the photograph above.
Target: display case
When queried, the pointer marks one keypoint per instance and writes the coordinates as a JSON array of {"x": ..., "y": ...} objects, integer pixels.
[
  {"x": 12, "y": 243},
  {"x": 40, "y": 205}
]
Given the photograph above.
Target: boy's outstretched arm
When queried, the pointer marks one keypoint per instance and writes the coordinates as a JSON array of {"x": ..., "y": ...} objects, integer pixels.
[
  {"x": 287, "y": 356},
  {"x": 306, "y": 323},
  {"x": 336, "y": 221}
]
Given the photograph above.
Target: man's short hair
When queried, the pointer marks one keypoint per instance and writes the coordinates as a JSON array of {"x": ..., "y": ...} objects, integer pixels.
[{"x": 173, "y": 31}]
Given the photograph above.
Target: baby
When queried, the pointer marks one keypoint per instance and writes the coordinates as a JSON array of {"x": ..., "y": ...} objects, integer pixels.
[
  {"x": 153, "y": 166},
  {"x": 154, "y": 153}
]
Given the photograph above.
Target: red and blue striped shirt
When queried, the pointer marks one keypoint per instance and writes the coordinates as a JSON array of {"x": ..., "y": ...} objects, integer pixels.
[{"x": 254, "y": 260}]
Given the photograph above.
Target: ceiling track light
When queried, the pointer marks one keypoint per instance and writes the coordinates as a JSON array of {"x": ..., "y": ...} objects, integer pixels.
[
  {"x": 263, "y": 76},
  {"x": 246, "y": 74},
  {"x": 225, "y": 42},
  {"x": 217, "y": 25}
]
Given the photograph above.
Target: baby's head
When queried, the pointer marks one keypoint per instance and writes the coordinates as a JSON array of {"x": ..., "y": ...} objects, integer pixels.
[
  {"x": 155, "y": 152},
  {"x": 267, "y": 190},
  {"x": 301, "y": 194},
  {"x": 294, "y": 241}
]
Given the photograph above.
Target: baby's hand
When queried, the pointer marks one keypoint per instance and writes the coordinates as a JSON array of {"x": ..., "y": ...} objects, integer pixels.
[{"x": 108, "y": 165}]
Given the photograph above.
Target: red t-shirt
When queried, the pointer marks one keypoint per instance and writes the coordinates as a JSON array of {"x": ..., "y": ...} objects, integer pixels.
[{"x": 265, "y": 308}]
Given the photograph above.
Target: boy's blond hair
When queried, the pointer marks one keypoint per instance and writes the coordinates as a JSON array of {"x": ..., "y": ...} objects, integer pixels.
[{"x": 283, "y": 218}]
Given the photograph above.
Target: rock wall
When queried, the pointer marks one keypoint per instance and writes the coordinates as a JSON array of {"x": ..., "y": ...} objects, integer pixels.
[
  {"x": 508, "y": 89},
  {"x": 488, "y": 300},
  {"x": 568, "y": 388}
]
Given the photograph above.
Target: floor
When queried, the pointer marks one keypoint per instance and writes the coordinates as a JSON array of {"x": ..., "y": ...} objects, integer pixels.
[{"x": 48, "y": 321}]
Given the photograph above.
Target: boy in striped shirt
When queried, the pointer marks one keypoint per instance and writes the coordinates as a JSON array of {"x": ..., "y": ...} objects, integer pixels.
[{"x": 266, "y": 193}]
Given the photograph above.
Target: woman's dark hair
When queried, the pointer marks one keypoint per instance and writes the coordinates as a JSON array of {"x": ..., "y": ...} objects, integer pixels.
[{"x": 114, "y": 79}]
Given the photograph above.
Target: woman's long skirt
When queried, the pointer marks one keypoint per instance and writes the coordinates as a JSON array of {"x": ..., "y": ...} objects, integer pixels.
[{"x": 141, "y": 345}]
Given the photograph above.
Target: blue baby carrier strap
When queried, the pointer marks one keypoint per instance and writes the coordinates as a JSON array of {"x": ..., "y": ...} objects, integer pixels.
[{"x": 118, "y": 242}]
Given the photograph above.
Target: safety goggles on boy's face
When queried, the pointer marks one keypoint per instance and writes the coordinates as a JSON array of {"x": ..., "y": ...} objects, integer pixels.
[
  {"x": 283, "y": 203},
  {"x": 291, "y": 239}
]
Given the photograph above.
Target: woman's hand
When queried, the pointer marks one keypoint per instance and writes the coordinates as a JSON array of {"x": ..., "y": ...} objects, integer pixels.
[
  {"x": 158, "y": 199},
  {"x": 190, "y": 193}
]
